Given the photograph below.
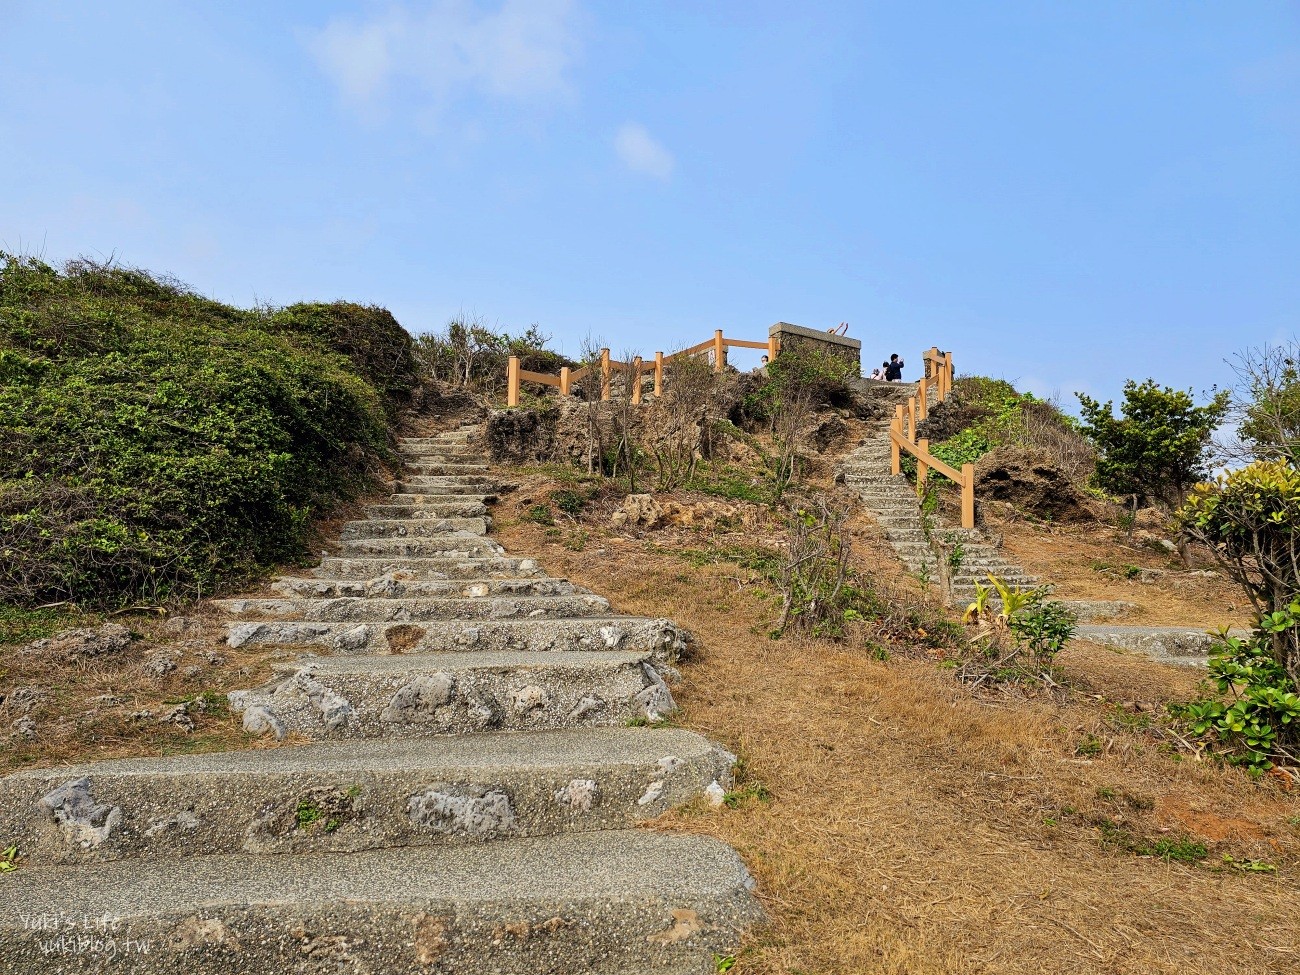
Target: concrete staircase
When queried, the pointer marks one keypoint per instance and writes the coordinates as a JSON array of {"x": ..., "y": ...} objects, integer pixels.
[
  {"x": 951, "y": 559},
  {"x": 468, "y": 754}
]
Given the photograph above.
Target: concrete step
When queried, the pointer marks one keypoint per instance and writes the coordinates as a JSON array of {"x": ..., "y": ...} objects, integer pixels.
[
  {"x": 431, "y": 506},
  {"x": 392, "y": 586},
  {"x": 631, "y": 633},
  {"x": 1169, "y": 644},
  {"x": 429, "y": 568},
  {"x": 442, "y": 468},
  {"x": 480, "y": 481},
  {"x": 360, "y": 795},
  {"x": 446, "y": 545},
  {"x": 404, "y": 493},
  {"x": 420, "y": 695},
  {"x": 602, "y": 902},
  {"x": 416, "y": 608},
  {"x": 412, "y": 527}
]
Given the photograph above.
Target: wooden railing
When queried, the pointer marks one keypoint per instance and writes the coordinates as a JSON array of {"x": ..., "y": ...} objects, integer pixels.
[
  {"x": 902, "y": 433},
  {"x": 717, "y": 346}
]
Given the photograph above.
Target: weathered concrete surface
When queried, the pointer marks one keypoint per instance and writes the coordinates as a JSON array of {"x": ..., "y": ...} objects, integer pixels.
[
  {"x": 1176, "y": 645},
  {"x": 423, "y": 695},
  {"x": 660, "y": 637},
  {"x": 412, "y": 528},
  {"x": 605, "y": 902},
  {"x": 409, "y": 608},
  {"x": 393, "y": 586},
  {"x": 441, "y": 567},
  {"x": 355, "y": 795}
]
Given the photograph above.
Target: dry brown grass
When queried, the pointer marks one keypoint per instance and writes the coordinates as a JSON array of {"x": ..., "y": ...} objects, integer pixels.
[
  {"x": 917, "y": 829},
  {"x": 1092, "y": 562},
  {"x": 86, "y": 709}
]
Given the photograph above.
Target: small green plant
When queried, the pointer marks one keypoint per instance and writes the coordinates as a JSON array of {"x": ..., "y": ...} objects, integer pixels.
[
  {"x": 724, "y": 963},
  {"x": 8, "y": 859},
  {"x": 1089, "y": 746},
  {"x": 1105, "y": 793},
  {"x": 1248, "y": 866},
  {"x": 308, "y": 814},
  {"x": 540, "y": 514},
  {"x": 956, "y": 552},
  {"x": 1182, "y": 850},
  {"x": 570, "y": 502},
  {"x": 576, "y": 541},
  {"x": 755, "y": 791},
  {"x": 352, "y": 791}
]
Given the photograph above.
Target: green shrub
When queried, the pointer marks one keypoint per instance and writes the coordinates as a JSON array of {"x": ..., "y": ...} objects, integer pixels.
[
  {"x": 1259, "y": 722},
  {"x": 1156, "y": 449},
  {"x": 156, "y": 443}
]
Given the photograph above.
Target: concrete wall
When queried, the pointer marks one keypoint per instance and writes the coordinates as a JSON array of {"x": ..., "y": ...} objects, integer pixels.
[{"x": 839, "y": 346}]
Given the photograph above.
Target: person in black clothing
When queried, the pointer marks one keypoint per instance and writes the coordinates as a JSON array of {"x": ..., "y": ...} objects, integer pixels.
[{"x": 894, "y": 369}]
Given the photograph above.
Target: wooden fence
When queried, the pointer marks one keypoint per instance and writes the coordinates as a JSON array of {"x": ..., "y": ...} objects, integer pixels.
[
  {"x": 902, "y": 433},
  {"x": 717, "y": 346}
]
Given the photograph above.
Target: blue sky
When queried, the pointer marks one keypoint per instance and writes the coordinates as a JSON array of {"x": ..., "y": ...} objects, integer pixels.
[{"x": 1066, "y": 194}]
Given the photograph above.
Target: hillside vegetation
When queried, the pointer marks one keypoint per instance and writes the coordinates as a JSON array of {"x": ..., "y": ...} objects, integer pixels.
[{"x": 155, "y": 443}]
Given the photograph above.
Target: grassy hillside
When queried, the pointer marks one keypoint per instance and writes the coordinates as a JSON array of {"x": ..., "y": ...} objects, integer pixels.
[{"x": 156, "y": 443}]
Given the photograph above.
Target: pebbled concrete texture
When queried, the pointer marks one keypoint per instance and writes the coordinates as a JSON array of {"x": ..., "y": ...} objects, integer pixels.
[
  {"x": 408, "y": 608},
  {"x": 413, "y": 528},
  {"x": 661, "y": 637},
  {"x": 1169, "y": 644},
  {"x": 356, "y": 795},
  {"x": 393, "y": 585},
  {"x": 604, "y": 902},
  {"x": 445, "y": 567},
  {"x": 425, "y": 695}
]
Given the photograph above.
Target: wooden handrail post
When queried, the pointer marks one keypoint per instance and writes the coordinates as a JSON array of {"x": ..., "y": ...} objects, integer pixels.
[
  {"x": 659, "y": 374},
  {"x": 922, "y": 469},
  {"x": 947, "y": 372},
  {"x": 968, "y": 495},
  {"x": 911, "y": 418},
  {"x": 636, "y": 379},
  {"x": 564, "y": 380},
  {"x": 895, "y": 457},
  {"x": 923, "y": 397},
  {"x": 772, "y": 347},
  {"x": 719, "y": 351},
  {"x": 512, "y": 381},
  {"x": 604, "y": 375},
  {"x": 899, "y": 414}
]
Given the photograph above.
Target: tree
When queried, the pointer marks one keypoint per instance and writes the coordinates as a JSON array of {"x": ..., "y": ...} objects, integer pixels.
[
  {"x": 1158, "y": 448},
  {"x": 1267, "y": 404}
]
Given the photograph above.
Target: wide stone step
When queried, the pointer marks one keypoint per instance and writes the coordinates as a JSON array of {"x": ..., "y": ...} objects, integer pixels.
[
  {"x": 443, "y": 468},
  {"x": 416, "y": 493},
  {"x": 345, "y": 796},
  {"x": 1166, "y": 643},
  {"x": 429, "y": 568},
  {"x": 412, "y": 527},
  {"x": 416, "y": 608},
  {"x": 393, "y": 586},
  {"x": 420, "y": 695},
  {"x": 447, "y": 545},
  {"x": 602, "y": 902},
  {"x": 631, "y": 633},
  {"x": 447, "y": 479},
  {"x": 430, "y": 507}
]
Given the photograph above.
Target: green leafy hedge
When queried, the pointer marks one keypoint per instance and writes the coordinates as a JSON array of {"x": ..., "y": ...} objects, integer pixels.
[{"x": 156, "y": 443}]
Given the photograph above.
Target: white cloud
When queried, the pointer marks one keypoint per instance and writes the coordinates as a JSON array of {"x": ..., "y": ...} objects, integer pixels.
[
  {"x": 448, "y": 49},
  {"x": 641, "y": 153}
]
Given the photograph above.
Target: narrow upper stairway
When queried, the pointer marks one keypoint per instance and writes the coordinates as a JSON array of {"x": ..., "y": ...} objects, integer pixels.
[
  {"x": 951, "y": 559},
  {"x": 466, "y": 761}
]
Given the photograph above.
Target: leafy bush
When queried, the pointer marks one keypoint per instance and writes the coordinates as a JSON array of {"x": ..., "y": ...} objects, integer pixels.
[
  {"x": 1250, "y": 520},
  {"x": 1259, "y": 723},
  {"x": 154, "y": 442},
  {"x": 1157, "y": 449},
  {"x": 471, "y": 354},
  {"x": 369, "y": 336}
]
